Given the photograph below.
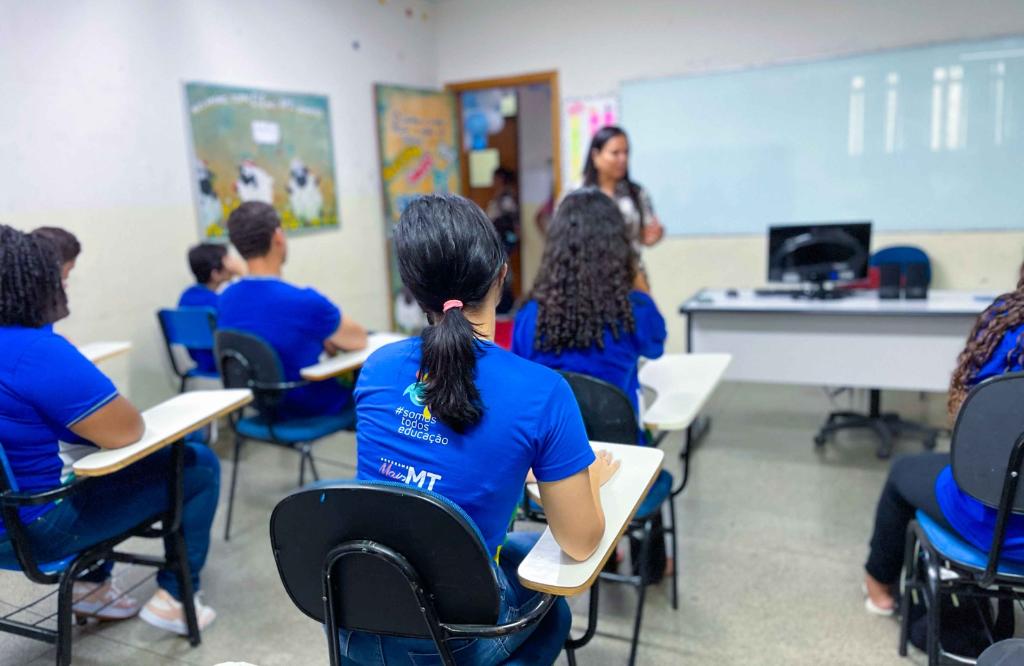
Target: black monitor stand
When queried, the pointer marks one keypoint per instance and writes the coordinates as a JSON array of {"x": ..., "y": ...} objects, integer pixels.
[{"x": 822, "y": 291}]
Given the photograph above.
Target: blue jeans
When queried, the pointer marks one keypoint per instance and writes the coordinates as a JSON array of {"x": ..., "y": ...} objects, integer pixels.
[
  {"x": 109, "y": 506},
  {"x": 544, "y": 639}
]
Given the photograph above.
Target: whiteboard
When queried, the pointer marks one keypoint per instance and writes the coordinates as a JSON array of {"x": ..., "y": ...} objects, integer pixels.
[{"x": 928, "y": 138}]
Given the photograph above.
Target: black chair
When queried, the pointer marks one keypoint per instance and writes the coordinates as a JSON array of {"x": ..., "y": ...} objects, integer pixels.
[
  {"x": 987, "y": 460},
  {"x": 192, "y": 329},
  {"x": 63, "y": 573},
  {"x": 347, "y": 563},
  {"x": 608, "y": 416},
  {"x": 247, "y": 361}
]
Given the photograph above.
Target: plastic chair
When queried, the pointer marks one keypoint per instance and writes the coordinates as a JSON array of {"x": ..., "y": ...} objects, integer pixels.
[
  {"x": 191, "y": 328},
  {"x": 64, "y": 572},
  {"x": 608, "y": 416},
  {"x": 987, "y": 460},
  {"x": 248, "y": 361},
  {"x": 392, "y": 560}
]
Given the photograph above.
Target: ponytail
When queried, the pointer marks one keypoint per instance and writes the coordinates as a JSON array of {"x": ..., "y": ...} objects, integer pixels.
[
  {"x": 447, "y": 248},
  {"x": 448, "y": 366}
]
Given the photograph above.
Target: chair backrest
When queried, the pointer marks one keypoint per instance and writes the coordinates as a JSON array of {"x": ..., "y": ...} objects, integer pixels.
[
  {"x": 191, "y": 328},
  {"x": 608, "y": 414},
  {"x": 248, "y": 361},
  {"x": 903, "y": 255},
  {"x": 370, "y": 594},
  {"x": 989, "y": 424}
]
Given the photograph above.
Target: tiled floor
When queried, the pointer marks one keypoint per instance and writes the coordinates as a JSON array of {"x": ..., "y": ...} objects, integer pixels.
[{"x": 772, "y": 538}]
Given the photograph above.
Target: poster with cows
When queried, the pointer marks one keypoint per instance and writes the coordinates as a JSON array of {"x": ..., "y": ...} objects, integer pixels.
[{"x": 261, "y": 145}]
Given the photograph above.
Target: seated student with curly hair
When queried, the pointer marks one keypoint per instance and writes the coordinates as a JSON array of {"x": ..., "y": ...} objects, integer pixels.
[
  {"x": 65, "y": 243},
  {"x": 49, "y": 392},
  {"x": 585, "y": 314},
  {"x": 925, "y": 481}
]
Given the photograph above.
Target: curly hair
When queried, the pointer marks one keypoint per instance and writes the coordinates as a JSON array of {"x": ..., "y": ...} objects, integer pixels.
[
  {"x": 1005, "y": 314},
  {"x": 31, "y": 292},
  {"x": 586, "y": 275}
]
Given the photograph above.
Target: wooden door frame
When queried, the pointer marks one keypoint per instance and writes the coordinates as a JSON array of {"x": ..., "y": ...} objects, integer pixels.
[{"x": 550, "y": 78}]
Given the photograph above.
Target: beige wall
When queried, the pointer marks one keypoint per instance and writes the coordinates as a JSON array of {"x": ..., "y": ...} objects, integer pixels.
[
  {"x": 597, "y": 44},
  {"x": 93, "y": 138}
]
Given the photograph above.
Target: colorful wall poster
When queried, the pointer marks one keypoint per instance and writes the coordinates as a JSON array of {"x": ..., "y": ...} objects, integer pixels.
[
  {"x": 582, "y": 118},
  {"x": 417, "y": 132},
  {"x": 261, "y": 145}
]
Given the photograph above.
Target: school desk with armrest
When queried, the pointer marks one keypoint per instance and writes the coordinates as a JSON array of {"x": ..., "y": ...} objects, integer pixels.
[
  {"x": 348, "y": 361},
  {"x": 97, "y": 352},
  {"x": 548, "y": 569},
  {"x": 166, "y": 424},
  {"x": 682, "y": 383}
]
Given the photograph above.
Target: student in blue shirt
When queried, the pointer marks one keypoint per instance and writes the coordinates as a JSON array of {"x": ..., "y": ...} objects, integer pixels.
[
  {"x": 452, "y": 413},
  {"x": 213, "y": 267},
  {"x": 925, "y": 481},
  {"x": 585, "y": 315},
  {"x": 50, "y": 392},
  {"x": 298, "y": 322}
]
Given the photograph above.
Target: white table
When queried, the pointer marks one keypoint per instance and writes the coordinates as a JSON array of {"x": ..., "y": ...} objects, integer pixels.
[
  {"x": 101, "y": 351},
  {"x": 682, "y": 384},
  {"x": 547, "y": 569},
  {"x": 348, "y": 361},
  {"x": 166, "y": 423},
  {"x": 860, "y": 341}
]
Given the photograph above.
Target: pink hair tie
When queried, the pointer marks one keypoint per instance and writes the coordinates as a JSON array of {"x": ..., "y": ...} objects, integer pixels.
[{"x": 448, "y": 305}]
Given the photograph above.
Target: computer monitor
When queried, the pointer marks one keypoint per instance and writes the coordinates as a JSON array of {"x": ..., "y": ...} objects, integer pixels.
[{"x": 819, "y": 252}]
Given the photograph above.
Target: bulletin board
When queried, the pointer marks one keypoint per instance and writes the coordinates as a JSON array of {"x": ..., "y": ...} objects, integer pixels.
[
  {"x": 261, "y": 145},
  {"x": 417, "y": 132}
]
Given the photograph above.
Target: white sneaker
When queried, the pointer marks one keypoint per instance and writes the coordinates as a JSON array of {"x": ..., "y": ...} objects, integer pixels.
[
  {"x": 103, "y": 601},
  {"x": 165, "y": 612}
]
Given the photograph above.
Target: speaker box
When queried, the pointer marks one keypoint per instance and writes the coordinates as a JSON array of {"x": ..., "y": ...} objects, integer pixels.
[
  {"x": 889, "y": 281},
  {"x": 916, "y": 286}
]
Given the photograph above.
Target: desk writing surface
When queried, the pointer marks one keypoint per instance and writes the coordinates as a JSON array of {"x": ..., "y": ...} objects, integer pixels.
[
  {"x": 547, "y": 569},
  {"x": 166, "y": 423},
  {"x": 101, "y": 351},
  {"x": 346, "y": 361},
  {"x": 938, "y": 303},
  {"x": 682, "y": 383}
]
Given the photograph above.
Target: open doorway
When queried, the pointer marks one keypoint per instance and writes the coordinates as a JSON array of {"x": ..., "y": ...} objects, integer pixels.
[{"x": 510, "y": 163}]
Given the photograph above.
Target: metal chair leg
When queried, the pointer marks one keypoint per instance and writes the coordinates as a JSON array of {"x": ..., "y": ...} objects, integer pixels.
[
  {"x": 644, "y": 550},
  {"x": 177, "y": 557},
  {"x": 231, "y": 493},
  {"x": 64, "y": 591},
  {"x": 910, "y": 587},
  {"x": 312, "y": 465},
  {"x": 675, "y": 550},
  {"x": 303, "y": 454},
  {"x": 932, "y": 608}
]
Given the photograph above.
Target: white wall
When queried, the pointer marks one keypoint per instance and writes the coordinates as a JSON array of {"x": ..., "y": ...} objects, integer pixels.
[
  {"x": 93, "y": 138},
  {"x": 535, "y": 179},
  {"x": 596, "y": 44}
]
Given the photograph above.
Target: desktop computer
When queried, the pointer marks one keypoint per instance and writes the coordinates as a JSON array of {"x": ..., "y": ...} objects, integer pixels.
[{"x": 817, "y": 258}]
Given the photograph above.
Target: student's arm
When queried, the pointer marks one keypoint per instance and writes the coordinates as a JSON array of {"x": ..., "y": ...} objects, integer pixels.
[
  {"x": 117, "y": 423},
  {"x": 573, "y": 507},
  {"x": 350, "y": 336},
  {"x": 569, "y": 475}
]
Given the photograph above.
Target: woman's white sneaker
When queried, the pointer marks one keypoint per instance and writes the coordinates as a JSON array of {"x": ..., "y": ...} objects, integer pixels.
[
  {"x": 103, "y": 601},
  {"x": 165, "y": 612}
]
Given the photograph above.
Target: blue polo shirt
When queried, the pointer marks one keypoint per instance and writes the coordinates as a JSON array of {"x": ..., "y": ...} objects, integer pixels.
[
  {"x": 531, "y": 420},
  {"x": 46, "y": 386},
  {"x": 200, "y": 296},
  {"x": 295, "y": 321},
  {"x": 617, "y": 363},
  {"x": 973, "y": 520}
]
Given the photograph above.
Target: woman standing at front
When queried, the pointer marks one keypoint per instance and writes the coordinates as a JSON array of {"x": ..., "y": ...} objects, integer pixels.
[{"x": 607, "y": 168}]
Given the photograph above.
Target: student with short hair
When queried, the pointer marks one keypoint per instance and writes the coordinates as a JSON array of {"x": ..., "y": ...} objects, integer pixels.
[
  {"x": 452, "y": 413},
  {"x": 925, "y": 481},
  {"x": 298, "y": 322},
  {"x": 49, "y": 392},
  {"x": 213, "y": 267},
  {"x": 65, "y": 243},
  {"x": 584, "y": 314}
]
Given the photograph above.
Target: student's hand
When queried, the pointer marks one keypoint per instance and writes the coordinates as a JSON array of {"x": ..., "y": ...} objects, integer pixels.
[
  {"x": 604, "y": 468},
  {"x": 653, "y": 232},
  {"x": 235, "y": 265},
  {"x": 331, "y": 349}
]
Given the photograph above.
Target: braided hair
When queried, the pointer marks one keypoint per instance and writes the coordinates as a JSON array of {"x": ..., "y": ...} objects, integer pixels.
[
  {"x": 1005, "y": 314},
  {"x": 31, "y": 293},
  {"x": 586, "y": 275}
]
